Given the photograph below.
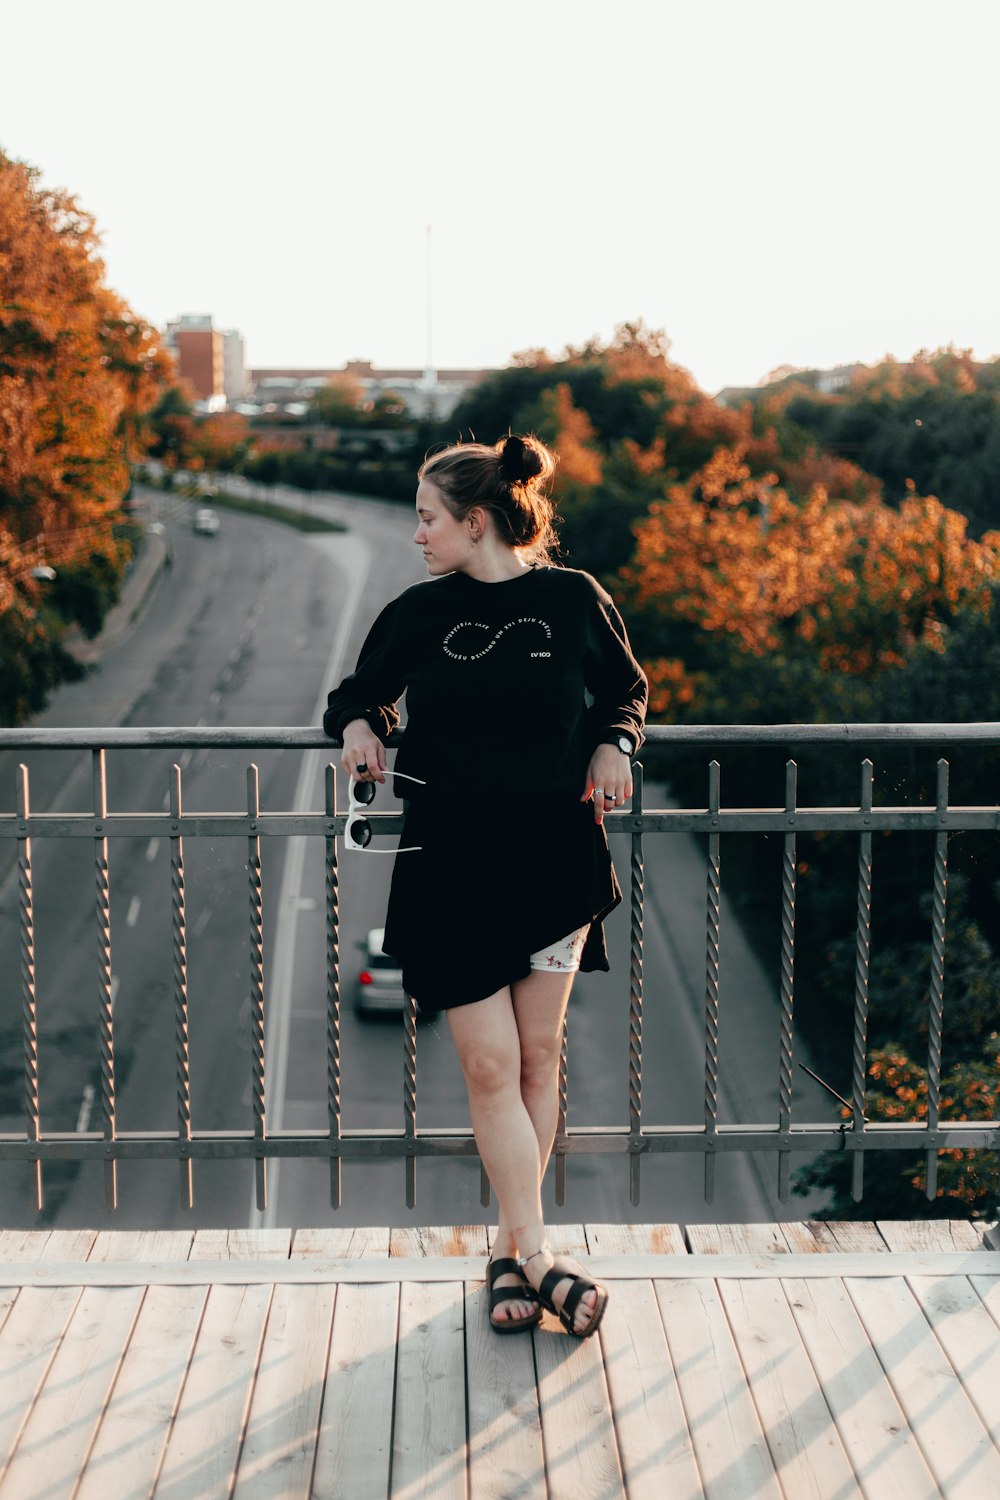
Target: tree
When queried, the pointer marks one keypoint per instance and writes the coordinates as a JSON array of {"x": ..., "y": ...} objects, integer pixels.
[{"x": 78, "y": 372}]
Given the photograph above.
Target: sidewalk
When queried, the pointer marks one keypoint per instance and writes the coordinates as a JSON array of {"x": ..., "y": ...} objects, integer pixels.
[{"x": 152, "y": 555}]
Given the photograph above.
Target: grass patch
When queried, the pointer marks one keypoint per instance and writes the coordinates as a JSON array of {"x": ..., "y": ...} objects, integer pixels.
[{"x": 301, "y": 520}]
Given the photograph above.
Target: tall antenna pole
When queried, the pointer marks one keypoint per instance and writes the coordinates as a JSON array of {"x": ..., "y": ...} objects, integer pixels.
[{"x": 428, "y": 364}]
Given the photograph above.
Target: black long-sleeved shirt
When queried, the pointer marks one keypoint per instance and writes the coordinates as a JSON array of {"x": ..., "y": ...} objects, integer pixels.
[{"x": 496, "y": 676}]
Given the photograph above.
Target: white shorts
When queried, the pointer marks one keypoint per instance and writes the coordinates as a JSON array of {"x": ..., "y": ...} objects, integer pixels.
[{"x": 563, "y": 956}]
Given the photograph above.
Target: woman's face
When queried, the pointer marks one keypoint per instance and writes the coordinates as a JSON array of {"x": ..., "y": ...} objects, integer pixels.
[{"x": 445, "y": 543}]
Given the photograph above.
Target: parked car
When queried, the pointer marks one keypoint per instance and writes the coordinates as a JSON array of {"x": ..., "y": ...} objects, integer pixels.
[
  {"x": 206, "y": 521},
  {"x": 379, "y": 987}
]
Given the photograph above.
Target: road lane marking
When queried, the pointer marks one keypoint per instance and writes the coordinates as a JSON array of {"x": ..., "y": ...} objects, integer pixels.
[
  {"x": 86, "y": 1105},
  {"x": 153, "y": 846},
  {"x": 133, "y": 911},
  {"x": 356, "y": 568},
  {"x": 115, "y": 982},
  {"x": 185, "y": 759},
  {"x": 202, "y": 922}
]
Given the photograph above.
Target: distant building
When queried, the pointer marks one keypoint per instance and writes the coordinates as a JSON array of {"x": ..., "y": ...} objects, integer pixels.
[
  {"x": 234, "y": 367},
  {"x": 827, "y": 382},
  {"x": 211, "y": 361},
  {"x": 433, "y": 393}
]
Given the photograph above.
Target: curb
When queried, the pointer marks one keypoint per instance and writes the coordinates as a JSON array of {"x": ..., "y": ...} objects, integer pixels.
[{"x": 150, "y": 559}]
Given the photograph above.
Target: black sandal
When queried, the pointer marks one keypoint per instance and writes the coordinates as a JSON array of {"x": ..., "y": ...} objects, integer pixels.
[
  {"x": 524, "y": 1293},
  {"x": 581, "y": 1285}
]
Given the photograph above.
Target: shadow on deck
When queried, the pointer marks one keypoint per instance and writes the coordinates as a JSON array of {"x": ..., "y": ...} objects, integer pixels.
[{"x": 735, "y": 1360}]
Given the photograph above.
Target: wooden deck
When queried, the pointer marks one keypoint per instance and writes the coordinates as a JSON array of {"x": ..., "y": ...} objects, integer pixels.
[{"x": 792, "y": 1360}]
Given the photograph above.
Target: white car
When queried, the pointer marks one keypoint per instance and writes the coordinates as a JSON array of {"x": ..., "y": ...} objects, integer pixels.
[
  {"x": 206, "y": 521},
  {"x": 380, "y": 983}
]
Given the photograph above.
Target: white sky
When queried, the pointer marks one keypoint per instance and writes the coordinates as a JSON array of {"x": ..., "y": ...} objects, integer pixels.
[{"x": 769, "y": 181}]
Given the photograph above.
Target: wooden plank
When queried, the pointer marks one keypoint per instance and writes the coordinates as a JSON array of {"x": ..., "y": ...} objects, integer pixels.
[
  {"x": 856, "y": 1237},
  {"x": 805, "y": 1446},
  {"x": 939, "y": 1235},
  {"x": 280, "y": 1446},
  {"x": 873, "y": 1429},
  {"x": 56, "y": 1438},
  {"x": 567, "y": 1239},
  {"x": 207, "y": 1434},
  {"x": 145, "y": 1244},
  {"x": 988, "y": 1290},
  {"x": 434, "y": 1240},
  {"x": 807, "y": 1238},
  {"x": 968, "y": 1335},
  {"x": 312, "y": 1269},
  {"x": 428, "y": 1443},
  {"x": 654, "y": 1444},
  {"x": 29, "y": 1340},
  {"x": 68, "y": 1244},
  {"x": 505, "y": 1432},
  {"x": 954, "y": 1442},
  {"x": 241, "y": 1244},
  {"x": 340, "y": 1244},
  {"x": 354, "y": 1449},
  {"x": 736, "y": 1239},
  {"x": 132, "y": 1437},
  {"x": 635, "y": 1239},
  {"x": 729, "y": 1443},
  {"x": 22, "y": 1244},
  {"x": 581, "y": 1454}
]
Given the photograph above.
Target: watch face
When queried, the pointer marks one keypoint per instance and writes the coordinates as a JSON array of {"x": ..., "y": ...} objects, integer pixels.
[{"x": 625, "y": 744}]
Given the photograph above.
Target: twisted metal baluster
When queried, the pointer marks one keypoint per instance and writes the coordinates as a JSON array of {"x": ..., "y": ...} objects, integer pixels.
[
  {"x": 560, "y": 1142},
  {"x": 712, "y": 984},
  {"x": 29, "y": 999},
  {"x": 635, "y": 995},
  {"x": 257, "y": 984},
  {"x": 786, "y": 1042},
  {"x": 936, "y": 1015},
  {"x": 333, "y": 1106},
  {"x": 861, "y": 968},
  {"x": 182, "y": 1032},
  {"x": 106, "y": 1018},
  {"x": 410, "y": 1096}
]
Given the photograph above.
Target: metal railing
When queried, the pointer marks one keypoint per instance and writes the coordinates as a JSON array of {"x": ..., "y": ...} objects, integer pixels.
[{"x": 638, "y": 1137}]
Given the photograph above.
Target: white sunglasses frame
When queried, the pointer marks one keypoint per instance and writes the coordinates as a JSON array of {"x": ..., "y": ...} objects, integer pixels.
[{"x": 358, "y": 811}]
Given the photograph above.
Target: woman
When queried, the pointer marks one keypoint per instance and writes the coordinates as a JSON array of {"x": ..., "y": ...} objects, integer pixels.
[{"x": 507, "y": 877}]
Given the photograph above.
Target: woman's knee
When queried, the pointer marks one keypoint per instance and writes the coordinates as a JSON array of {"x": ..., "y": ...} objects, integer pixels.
[
  {"x": 490, "y": 1072},
  {"x": 539, "y": 1064}
]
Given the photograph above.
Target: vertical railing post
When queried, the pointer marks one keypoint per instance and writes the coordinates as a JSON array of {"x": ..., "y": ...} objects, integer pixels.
[
  {"x": 182, "y": 1031},
  {"x": 713, "y": 923},
  {"x": 863, "y": 943},
  {"x": 786, "y": 1043},
  {"x": 333, "y": 1107},
  {"x": 561, "y": 1119},
  {"x": 257, "y": 985},
  {"x": 936, "y": 1016},
  {"x": 635, "y": 995},
  {"x": 410, "y": 1096},
  {"x": 29, "y": 998},
  {"x": 105, "y": 1012}
]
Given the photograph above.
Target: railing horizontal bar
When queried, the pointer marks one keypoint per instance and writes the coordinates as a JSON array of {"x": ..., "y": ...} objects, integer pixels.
[
  {"x": 394, "y": 1147},
  {"x": 308, "y": 737},
  {"x": 731, "y": 820}
]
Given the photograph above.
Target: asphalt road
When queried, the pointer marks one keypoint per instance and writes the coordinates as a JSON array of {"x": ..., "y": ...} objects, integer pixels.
[{"x": 252, "y": 627}]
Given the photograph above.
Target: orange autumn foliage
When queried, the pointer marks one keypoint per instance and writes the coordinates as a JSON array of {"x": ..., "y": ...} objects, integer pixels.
[
  {"x": 863, "y": 582},
  {"x": 77, "y": 372}
]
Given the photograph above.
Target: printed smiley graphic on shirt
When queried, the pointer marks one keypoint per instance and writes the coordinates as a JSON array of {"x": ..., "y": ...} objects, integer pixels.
[{"x": 461, "y": 635}]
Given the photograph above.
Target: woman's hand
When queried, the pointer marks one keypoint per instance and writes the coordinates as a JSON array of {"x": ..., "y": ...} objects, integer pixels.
[
  {"x": 362, "y": 747},
  {"x": 609, "y": 777}
]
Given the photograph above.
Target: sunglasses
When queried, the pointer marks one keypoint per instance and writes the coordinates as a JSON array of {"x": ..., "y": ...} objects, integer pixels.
[{"x": 358, "y": 829}]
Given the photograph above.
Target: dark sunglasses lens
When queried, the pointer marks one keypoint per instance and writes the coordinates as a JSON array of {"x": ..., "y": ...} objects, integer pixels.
[
  {"x": 360, "y": 830},
  {"x": 364, "y": 792}
]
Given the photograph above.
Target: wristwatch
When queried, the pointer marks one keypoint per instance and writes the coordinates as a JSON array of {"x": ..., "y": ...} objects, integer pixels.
[{"x": 623, "y": 742}]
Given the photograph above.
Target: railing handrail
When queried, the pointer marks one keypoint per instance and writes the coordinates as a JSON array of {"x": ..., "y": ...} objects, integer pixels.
[{"x": 307, "y": 737}]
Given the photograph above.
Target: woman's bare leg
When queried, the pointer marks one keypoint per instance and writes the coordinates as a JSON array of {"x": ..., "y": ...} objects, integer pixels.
[{"x": 489, "y": 1050}]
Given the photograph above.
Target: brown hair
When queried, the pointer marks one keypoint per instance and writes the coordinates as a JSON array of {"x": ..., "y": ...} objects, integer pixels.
[{"x": 510, "y": 479}]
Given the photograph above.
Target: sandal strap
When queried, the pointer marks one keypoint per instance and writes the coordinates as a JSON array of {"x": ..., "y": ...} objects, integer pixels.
[
  {"x": 505, "y": 1266},
  {"x": 512, "y": 1294},
  {"x": 581, "y": 1286}
]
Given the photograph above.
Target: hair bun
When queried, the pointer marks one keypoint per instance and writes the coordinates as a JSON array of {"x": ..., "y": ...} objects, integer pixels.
[{"x": 519, "y": 461}]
